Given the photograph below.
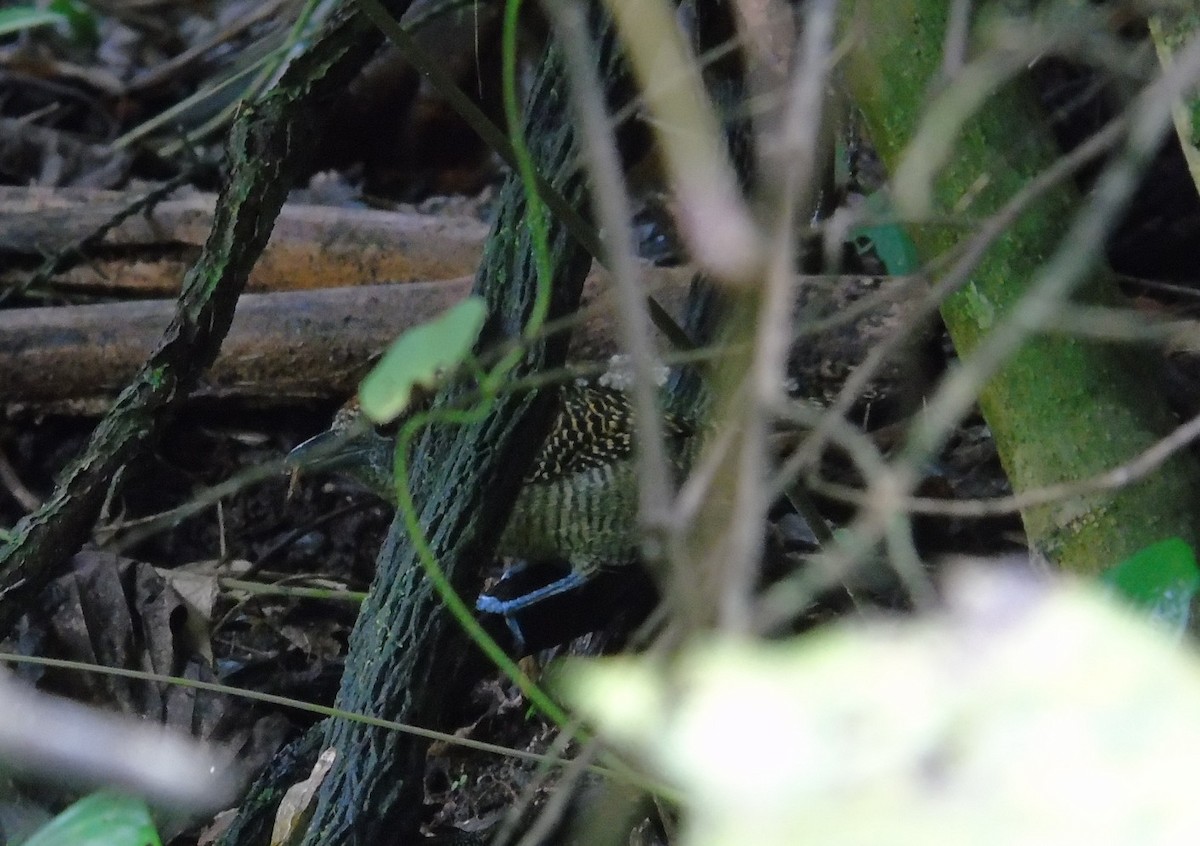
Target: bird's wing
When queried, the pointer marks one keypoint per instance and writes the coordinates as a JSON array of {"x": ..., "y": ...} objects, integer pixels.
[{"x": 593, "y": 426}]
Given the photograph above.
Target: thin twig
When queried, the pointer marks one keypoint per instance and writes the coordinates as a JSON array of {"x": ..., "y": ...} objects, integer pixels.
[
  {"x": 1127, "y": 473},
  {"x": 1149, "y": 119},
  {"x": 1055, "y": 281},
  {"x": 789, "y": 168},
  {"x": 26, "y": 498},
  {"x": 955, "y": 278},
  {"x": 614, "y": 213}
]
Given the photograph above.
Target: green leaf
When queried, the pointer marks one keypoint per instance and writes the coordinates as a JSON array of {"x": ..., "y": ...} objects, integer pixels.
[
  {"x": 1025, "y": 713},
  {"x": 21, "y": 18},
  {"x": 418, "y": 357},
  {"x": 888, "y": 240},
  {"x": 81, "y": 20},
  {"x": 1160, "y": 580},
  {"x": 101, "y": 819}
]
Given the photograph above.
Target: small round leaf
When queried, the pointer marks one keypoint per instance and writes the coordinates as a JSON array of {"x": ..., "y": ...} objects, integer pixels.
[{"x": 417, "y": 358}]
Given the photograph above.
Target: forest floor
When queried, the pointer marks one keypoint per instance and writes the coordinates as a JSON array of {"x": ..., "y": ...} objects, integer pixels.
[{"x": 79, "y": 122}]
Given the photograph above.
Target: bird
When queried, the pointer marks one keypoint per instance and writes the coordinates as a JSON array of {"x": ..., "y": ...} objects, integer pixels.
[{"x": 578, "y": 502}]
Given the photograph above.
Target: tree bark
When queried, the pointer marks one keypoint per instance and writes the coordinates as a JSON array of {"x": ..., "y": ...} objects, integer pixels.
[{"x": 408, "y": 659}]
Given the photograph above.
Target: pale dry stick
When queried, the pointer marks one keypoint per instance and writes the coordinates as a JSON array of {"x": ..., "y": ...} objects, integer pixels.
[
  {"x": 1164, "y": 287},
  {"x": 665, "y": 82},
  {"x": 955, "y": 278},
  {"x": 789, "y": 167},
  {"x": 790, "y": 161},
  {"x": 57, "y": 740},
  {"x": 613, "y": 212},
  {"x": 1109, "y": 323},
  {"x": 161, "y": 73},
  {"x": 222, "y": 536},
  {"x": 767, "y": 28},
  {"x": 27, "y": 499},
  {"x": 954, "y": 49},
  {"x": 699, "y": 481},
  {"x": 782, "y": 601},
  {"x": 767, "y": 31},
  {"x": 902, "y": 554},
  {"x": 281, "y": 588},
  {"x": 713, "y": 218},
  {"x": 329, "y": 711},
  {"x": 1134, "y": 470}
]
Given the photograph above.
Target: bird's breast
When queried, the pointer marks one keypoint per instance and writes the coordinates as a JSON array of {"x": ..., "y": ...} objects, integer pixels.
[{"x": 588, "y": 518}]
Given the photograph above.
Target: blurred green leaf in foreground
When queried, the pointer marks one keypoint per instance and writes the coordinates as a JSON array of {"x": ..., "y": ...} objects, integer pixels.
[
  {"x": 101, "y": 819},
  {"x": 1024, "y": 712}
]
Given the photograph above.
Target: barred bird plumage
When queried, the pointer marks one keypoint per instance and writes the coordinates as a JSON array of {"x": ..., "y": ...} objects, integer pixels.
[{"x": 578, "y": 502}]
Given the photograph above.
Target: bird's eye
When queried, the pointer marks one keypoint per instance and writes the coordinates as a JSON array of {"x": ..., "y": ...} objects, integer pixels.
[{"x": 388, "y": 430}]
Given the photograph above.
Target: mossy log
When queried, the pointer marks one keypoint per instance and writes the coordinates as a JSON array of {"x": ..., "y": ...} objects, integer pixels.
[{"x": 1062, "y": 408}]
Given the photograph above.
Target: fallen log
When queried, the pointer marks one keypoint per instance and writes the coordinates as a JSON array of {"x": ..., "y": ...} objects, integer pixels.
[
  {"x": 282, "y": 347},
  {"x": 311, "y": 246}
]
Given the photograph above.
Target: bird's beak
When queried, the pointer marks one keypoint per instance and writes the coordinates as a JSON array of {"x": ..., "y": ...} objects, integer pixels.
[
  {"x": 357, "y": 451},
  {"x": 327, "y": 451}
]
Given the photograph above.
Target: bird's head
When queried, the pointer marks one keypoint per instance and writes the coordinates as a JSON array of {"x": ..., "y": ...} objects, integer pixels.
[{"x": 350, "y": 447}]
